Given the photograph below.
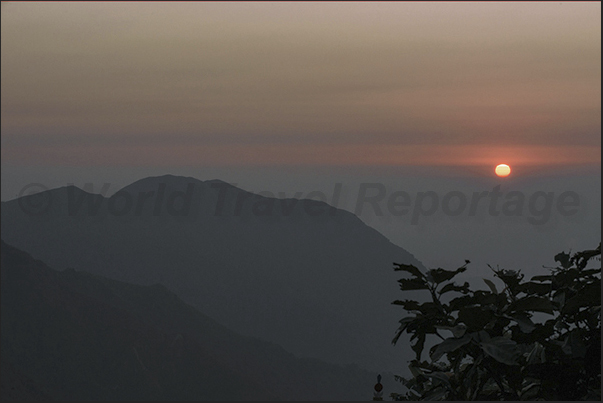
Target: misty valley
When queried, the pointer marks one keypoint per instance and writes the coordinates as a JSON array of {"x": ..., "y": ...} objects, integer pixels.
[
  {"x": 190, "y": 303},
  {"x": 306, "y": 295}
]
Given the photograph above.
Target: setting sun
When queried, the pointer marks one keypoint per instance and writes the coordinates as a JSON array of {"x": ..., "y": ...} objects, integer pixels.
[{"x": 502, "y": 170}]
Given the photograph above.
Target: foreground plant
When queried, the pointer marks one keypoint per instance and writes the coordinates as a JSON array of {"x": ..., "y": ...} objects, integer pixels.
[{"x": 491, "y": 346}]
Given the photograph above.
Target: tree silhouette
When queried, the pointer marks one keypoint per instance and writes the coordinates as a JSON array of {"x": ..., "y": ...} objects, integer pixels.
[{"x": 530, "y": 340}]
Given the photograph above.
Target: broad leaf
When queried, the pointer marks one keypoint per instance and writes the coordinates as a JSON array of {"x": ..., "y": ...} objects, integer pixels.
[
  {"x": 574, "y": 345},
  {"x": 412, "y": 284},
  {"x": 542, "y": 278},
  {"x": 490, "y": 285},
  {"x": 405, "y": 322},
  {"x": 535, "y": 288},
  {"x": 453, "y": 287},
  {"x": 530, "y": 392},
  {"x": 430, "y": 308},
  {"x": 449, "y": 345},
  {"x": 408, "y": 305},
  {"x": 563, "y": 259},
  {"x": 533, "y": 304},
  {"x": 460, "y": 302},
  {"x": 582, "y": 258},
  {"x": 566, "y": 277},
  {"x": 537, "y": 355},
  {"x": 475, "y": 318},
  {"x": 439, "y": 377},
  {"x": 478, "y": 298},
  {"x": 511, "y": 278},
  {"x": 417, "y": 347},
  {"x": 457, "y": 331},
  {"x": 502, "y": 350},
  {"x": 559, "y": 299},
  {"x": 409, "y": 268},
  {"x": 440, "y": 275},
  {"x": 523, "y": 321},
  {"x": 590, "y": 295},
  {"x": 435, "y": 394},
  {"x": 403, "y": 325}
]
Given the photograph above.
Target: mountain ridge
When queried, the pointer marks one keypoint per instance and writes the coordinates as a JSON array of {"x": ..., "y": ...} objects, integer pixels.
[
  {"x": 319, "y": 285},
  {"x": 97, "y": 338}
]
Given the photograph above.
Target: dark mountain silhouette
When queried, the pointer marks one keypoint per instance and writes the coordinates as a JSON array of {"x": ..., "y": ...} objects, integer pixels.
[
  {"x": 72, "y": 335},
  {"x": 312, "y": 278}
]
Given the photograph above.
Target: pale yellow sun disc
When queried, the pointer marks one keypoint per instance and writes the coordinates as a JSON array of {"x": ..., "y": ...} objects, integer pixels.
[{"x": 502, "y": 170}]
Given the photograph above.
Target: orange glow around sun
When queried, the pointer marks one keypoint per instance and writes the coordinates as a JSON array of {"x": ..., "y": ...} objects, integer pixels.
[{"x": 502, "y": 170}]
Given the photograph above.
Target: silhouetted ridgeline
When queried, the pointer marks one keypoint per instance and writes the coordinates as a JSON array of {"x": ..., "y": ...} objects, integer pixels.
[
  {"x": 312, "y": 278},
  {"x": 76, "y": 336}
]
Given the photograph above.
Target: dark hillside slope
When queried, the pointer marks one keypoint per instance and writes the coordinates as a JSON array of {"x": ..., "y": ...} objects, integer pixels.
[
  {"x": 76, "y": 336},
  {"x": 312, "y": 278}
]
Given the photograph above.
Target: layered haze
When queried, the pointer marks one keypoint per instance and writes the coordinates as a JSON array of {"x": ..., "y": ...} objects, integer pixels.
[
  {"x": 393, "y": 113},
  {"x": 214, "y": 84},
  {"x": 297, "y": 97}
]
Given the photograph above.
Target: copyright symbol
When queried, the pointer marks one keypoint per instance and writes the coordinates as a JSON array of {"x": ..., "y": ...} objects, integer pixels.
[{"x": 34, "y": 200}]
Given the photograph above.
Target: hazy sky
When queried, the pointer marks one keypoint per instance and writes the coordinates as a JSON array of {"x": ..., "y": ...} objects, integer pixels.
[
  {"x": 221, "y": 84},
  {"x": 296, "y": 97}
]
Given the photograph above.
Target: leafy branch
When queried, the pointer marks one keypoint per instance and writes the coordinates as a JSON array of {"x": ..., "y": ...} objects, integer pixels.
[{"x": 496, "y": 350}]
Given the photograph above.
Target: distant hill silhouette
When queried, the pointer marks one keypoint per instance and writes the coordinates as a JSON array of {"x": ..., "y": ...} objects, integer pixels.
[
  {"x": 76, "y": 336},
  {"x": 320, "y": 285}
]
